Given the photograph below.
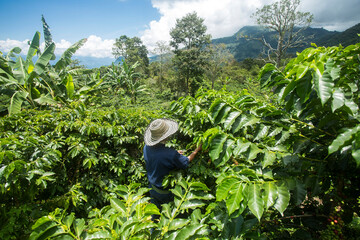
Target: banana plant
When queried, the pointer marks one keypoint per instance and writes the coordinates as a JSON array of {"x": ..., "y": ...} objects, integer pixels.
[
  {"x": 130, "y": 79},
  {"x": 24, "y": 79}
]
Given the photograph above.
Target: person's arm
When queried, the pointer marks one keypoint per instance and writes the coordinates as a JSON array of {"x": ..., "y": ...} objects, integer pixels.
[{"x": 193, "y": 154}]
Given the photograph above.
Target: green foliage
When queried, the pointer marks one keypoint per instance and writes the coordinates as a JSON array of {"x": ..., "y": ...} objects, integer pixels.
[
  {"x": 126, "y": 218},
  {"x": 126, "y": 78},
  {"x": 131, "y": 50},
  {"x": 189, "y": 39},
  {"x": 267, "y": 169},
  {"x": 68, "y": 159}
]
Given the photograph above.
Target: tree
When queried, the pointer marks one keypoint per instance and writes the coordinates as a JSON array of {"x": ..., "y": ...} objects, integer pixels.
[
  {"x": 218, "y": 58},
  {"x": 132, "y": 50},
  {"x": 189, "y": 39},
  {"x": 162, "y": 50},
  {"x": 283, "y": 17}
]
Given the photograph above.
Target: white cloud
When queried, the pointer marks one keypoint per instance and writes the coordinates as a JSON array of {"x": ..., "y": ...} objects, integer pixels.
[
  {"x": 222, "y": 18},
  {"x": 94, "y": 47},
  {"x": 8, "y": 44}
]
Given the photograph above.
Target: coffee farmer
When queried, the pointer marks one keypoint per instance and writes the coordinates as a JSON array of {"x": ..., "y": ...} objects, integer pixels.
[{"x": 160, "y": 160}]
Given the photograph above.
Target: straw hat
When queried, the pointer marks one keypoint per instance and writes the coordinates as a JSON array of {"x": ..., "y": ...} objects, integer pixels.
[{"x": 159, "y": 130}]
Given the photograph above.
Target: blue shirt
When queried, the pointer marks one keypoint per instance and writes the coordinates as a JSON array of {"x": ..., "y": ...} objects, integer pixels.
[{"x": 160, "y": 160}]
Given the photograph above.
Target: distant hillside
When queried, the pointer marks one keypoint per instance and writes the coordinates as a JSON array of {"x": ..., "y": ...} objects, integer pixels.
[
  {"x": 345, "y": 38},
  {"x": 241, "y": 47}
]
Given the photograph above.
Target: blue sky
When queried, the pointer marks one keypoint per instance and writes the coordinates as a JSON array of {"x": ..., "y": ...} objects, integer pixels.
[
  {"x": 75, "y": 19},
  {"x": 102, "y": 21}
]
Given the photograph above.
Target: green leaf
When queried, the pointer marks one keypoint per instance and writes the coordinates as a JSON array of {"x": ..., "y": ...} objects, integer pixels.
[
  {"x": 255, "y": 200},
  {"x": 34, "y": 47},
  {"x": 40, "y": 222},
  {"x": 236, "y": 197},
  {"x": 178, "y": 223},
  {"x": 252, "y": 152},
  {"x": 20, "y": 72},
  {"x": 199, "y": 195},
  {"x": 44, "y": 59},
  {"x": 301, "y": 71},
  {"x": 216, "y": 146},
  {"x": 216, "y": 107},
  {"x": 269, "y": 158},
  {"x": 222, "y": 114},
  {"x": 341, "y": 140},
  {"x": 261, "y": 131},
  {"x": 45, "y": 229},
  {"x": 324, "y": 85},
  {"x": 46, "y": 100},
  {"x": 231, "y": 119},
  {"x": 299, "y": 192},
  {"x": 288, "y": 89},
  {"x": 192, "y": 204},
  {"x": 240, "y": 147},
  {"x": 283, "y": 198},
  {"x": 68, "y": 220},
  {"x": 356, "y": 155},
  {"x": 151, "y": 209},
  {"x": 188, "y": 231},
  {"x": 338, "y": 99},
  {"x": 16, "y": 101},
  {"x": 65, "y": 58},
  {"x": 198, "y": 186},
  {"x": 352, "y": 106},
  {"x": 70, "y": 89},
  {"x": 356, "y": 147},
  {"x": 79, "y": 226},
  {"x": 224, "y": 187},
  {"x": 270, "y": 194},
  {"x": 225, "y": 154},
  {"x": 144, "y": 226},
  {"x": 304, "y": 87},
  {"x": 5, "y": 171},
  {"x": 102, "y": 234},
  {"x": 118, "y": 205}
]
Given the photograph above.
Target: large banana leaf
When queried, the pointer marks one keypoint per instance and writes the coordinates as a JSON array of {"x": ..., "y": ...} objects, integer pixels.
[
  {"x": 70, "y": 86},
  {"x": 44, "y": 59},
  {"x": 47, "y": 35},
  {"x": 65, "y": 58},
  {"x": 34, "y": 47},
  {"x": 16, "y": 102}
]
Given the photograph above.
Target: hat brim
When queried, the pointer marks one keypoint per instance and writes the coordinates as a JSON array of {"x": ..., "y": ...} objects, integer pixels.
[{"x": 173, "y": 128}]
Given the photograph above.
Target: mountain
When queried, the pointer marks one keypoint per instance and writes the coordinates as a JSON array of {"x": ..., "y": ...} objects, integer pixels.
[
  {"x": 242, "y": 47},
  {"x": 345, "y": 38},
  {"x": 93, "y": 62}
]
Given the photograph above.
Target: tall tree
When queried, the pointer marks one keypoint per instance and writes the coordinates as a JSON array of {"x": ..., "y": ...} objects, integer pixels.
[
  {"x": 163, "y": 51},
  {"x": 189, "y": 40},
  {"x": 132, "y": 50},
  {"x": 219, "y": 57},
  {"x": 284, "y": 18}
]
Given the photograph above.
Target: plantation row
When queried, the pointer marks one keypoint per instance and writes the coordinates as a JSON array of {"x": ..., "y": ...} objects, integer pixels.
[{"x": 287, "y": 167}]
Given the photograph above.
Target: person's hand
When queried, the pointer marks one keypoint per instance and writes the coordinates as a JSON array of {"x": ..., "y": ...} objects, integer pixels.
[
  {"x": 181, "y": 152},
  {"x": 199, "y": 148}
]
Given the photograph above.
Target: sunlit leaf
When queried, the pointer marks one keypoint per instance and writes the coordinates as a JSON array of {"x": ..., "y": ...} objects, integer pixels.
[
  {"x": 283, "y": 198},
  {"x": 255, "y": 200}
]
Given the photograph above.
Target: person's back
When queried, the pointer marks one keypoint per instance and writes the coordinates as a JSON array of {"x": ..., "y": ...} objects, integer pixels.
[{"x": 160, "y": 160}]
